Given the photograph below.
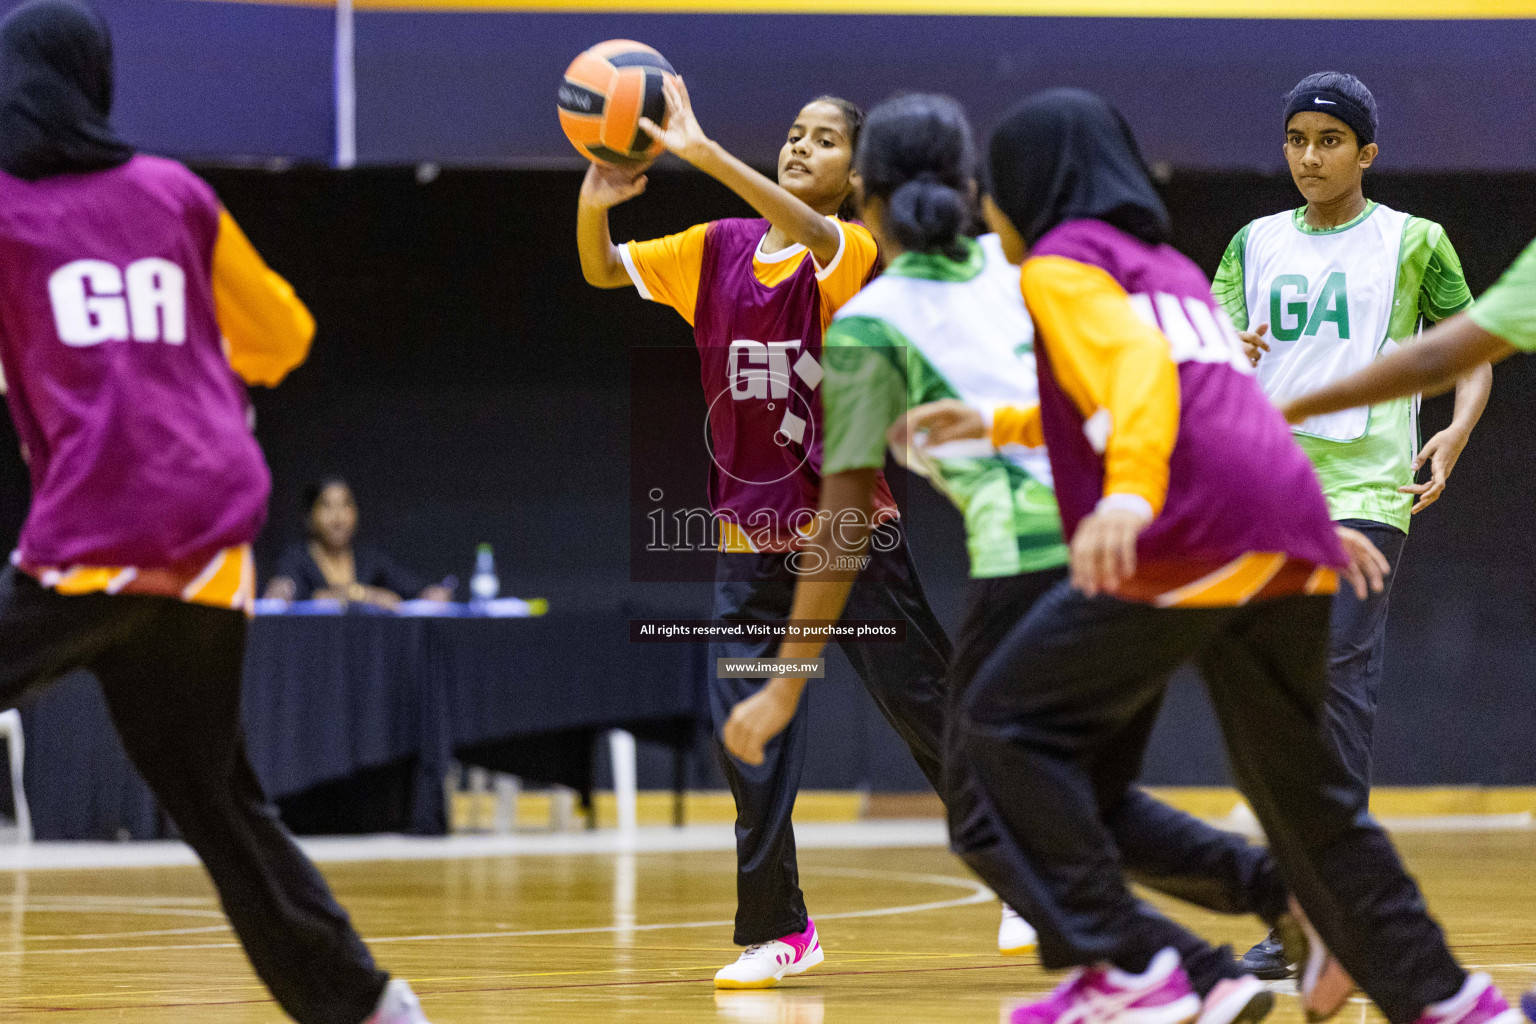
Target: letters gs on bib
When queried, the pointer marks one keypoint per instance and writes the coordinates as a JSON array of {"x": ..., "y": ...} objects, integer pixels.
[
  {"x": 1196, "y": 332},
  {"x": 95, "y": 301}
]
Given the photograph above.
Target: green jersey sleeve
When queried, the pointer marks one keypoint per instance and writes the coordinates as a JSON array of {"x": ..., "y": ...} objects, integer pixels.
[
  {"x": 1444, "y": 291},
  {"x": 1508, "y": 309},
  {"x": 1429, "y": 277},
  {"x": 863, "y": 393},
  {"x": 1229, "y": 287}
]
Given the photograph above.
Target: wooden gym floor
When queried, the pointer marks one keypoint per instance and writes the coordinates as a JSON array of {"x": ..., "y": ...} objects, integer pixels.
[{"x": 636, "y": 937}]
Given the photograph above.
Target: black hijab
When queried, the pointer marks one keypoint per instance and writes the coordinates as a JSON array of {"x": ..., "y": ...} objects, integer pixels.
[
  {"x": 1066, "y": 154},
  {"x": 56, "y": 91}
]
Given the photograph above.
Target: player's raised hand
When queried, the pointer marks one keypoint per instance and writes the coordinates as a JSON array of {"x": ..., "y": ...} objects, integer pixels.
[
  {"x": 605, "y": 187},
  {"x": 1441, "y": 452},
  {"x": 1254, "y": 345},
  {"x": 758, "y": 719},
  {"x": 948, "y": 419},
  {"x": 682, "y": 134},
  {"x": 1368, "y": 568}
]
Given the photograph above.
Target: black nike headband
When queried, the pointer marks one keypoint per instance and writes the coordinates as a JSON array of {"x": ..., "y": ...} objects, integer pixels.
[{"x": 1335, "y": 104}]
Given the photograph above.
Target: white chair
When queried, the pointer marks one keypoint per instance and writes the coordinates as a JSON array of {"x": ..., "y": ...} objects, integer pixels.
[{"x": 10, "y": 729}]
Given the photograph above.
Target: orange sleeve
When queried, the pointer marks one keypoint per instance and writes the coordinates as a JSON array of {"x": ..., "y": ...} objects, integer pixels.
[
  {"x": 842, "y": 279},
  {"x": 267, "y": 330},
  {"x": 1014, "y": 425},
  {"x": 667, "y": 269},
  {"x": 1114, "y": 366}
]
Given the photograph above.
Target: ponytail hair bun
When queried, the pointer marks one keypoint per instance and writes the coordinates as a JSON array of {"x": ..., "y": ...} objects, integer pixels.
[{"x": 927, "y": 215}]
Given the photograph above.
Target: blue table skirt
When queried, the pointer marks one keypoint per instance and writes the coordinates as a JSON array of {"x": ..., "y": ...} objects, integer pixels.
[{"x": 334, "y": 697}]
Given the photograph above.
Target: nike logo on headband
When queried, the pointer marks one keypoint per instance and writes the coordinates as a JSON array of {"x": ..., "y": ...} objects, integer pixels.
[{"x": 1319, "y": 99}]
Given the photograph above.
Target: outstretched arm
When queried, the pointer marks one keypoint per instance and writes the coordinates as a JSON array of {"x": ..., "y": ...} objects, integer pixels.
[
  {"x": 684, "y": 137},
  {"x": 950, "y": 419},
  {"x": 1432, "y": 365},
  {"x": 601, "y": 190}
]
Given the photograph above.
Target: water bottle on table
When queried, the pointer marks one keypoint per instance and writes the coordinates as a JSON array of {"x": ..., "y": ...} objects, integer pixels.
[{"x": 484, "y": 584}]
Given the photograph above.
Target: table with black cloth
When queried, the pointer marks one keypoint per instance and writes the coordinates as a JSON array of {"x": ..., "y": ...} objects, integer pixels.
[{"x": 352, "y": 720}]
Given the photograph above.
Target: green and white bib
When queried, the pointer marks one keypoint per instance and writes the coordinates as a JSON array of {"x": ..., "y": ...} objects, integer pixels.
[
  {"x": 1336, "y": 300},
  {"x": 931, "y": 328}
]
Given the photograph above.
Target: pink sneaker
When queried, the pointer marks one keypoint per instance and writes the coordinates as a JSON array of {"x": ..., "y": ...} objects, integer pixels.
[
  {"x": 1478, "y": 1002},
  {"x": 1159, "y": 995}
]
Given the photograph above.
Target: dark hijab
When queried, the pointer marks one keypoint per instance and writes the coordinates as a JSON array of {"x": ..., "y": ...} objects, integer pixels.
[
  {"x": 1066, "y": 154},
  {"x": 56, "y": 91}
]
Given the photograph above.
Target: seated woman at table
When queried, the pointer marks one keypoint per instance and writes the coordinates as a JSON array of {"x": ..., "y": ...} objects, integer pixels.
[{"x": 329, "y": 566}]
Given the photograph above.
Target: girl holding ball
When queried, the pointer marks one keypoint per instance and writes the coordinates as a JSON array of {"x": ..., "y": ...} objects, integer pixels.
[{"x": 759, "y": 294}]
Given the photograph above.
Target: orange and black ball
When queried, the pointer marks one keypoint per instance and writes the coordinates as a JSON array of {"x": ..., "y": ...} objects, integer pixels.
[{"x": 606, "y": 91}]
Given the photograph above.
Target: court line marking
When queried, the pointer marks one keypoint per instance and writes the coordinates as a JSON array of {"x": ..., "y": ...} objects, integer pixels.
[
  {"x": 110, "y": 902},
  {"x": 127, "y": 910},
  {"x": 700, "y": 980},
  {"x": 922, "y": 832},
  {"x": 978, "y": 893},
  {"x": 536, "y": 988},
  {"x": 419, "y": 979},
  {"x": 127, "y": 935},
  {"x": 844, "y": 957},
  {"x": 58, "y": 856},
  {"x": 152, "y": 906}
]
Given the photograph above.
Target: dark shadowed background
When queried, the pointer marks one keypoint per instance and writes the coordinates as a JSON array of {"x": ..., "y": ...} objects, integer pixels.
[{"x": 473, "y": 388}]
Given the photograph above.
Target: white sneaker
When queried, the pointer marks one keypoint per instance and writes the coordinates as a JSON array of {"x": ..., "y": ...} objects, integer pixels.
[
  {"x": 763, "y": 965},
  {"x": 398, "y": 1005},
  {"x": 1015, "y": 936}
]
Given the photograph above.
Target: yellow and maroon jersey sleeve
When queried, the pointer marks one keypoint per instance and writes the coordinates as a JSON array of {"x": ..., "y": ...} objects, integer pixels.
[
  {"x": 265, "y": 326},
  {"x": 840, "y": 280},
  {"x": 667, "y": 269},
  {"x": 1018, "y": 425},
  {"x": 1116, "y": 368}
]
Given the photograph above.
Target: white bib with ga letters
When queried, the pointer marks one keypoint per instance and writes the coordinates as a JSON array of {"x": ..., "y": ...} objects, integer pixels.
[{"x": 1327, "y": 298}]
